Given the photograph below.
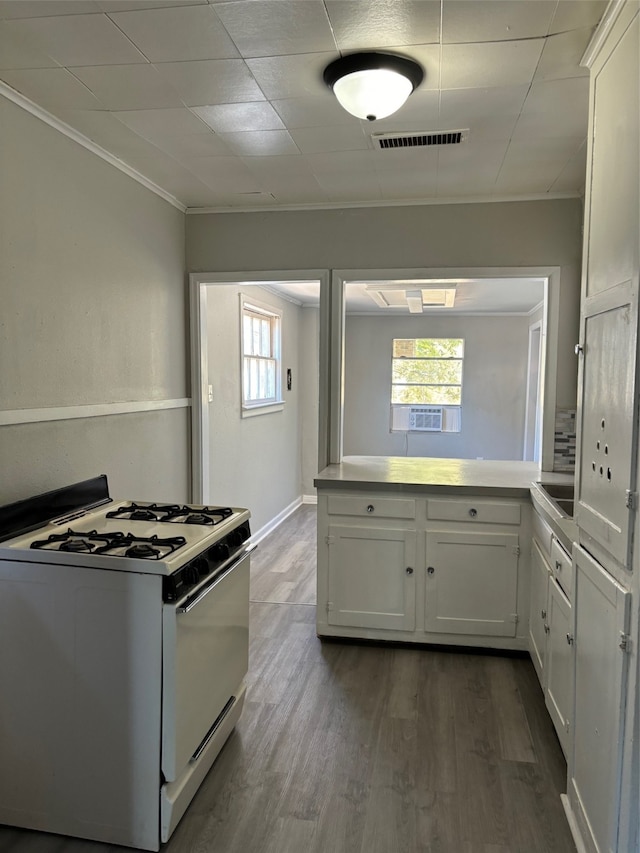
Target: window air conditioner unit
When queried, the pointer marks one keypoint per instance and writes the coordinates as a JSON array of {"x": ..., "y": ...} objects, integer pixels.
[{"x": 425, "y": 418}]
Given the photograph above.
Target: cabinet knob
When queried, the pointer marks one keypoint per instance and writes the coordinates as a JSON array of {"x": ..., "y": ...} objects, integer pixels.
[
  {"x": 558, "y": 566},
  {"x": 570, "y": 639},
  {"x": 543, "y": 614},
  {"x": 409, "y": 570},
  {"x": 430, "y": 570},
  {"x": 473, "y": 512},
  {"x": 579, "y": 349},
  {"x": 546, "y": 628},
  {"x": 370, "y": 508}
]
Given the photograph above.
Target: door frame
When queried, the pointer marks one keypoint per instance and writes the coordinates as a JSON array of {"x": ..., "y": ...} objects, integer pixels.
[
  {"x": 532, "y": 413},
  {"x": 200, "y": 426}
]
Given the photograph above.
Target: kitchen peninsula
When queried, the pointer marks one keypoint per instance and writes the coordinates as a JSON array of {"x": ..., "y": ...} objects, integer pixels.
[{"x": 426, "y": 550}]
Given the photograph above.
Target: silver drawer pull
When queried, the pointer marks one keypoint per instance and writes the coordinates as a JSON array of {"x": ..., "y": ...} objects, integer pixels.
[
  {"x": 473, "y": 512},
  {"x": 430, "y": 570},
  {"x": 570, "y": 639},
  {"x": 370, "y": 508},
  {"x": 409, "y": 570}
]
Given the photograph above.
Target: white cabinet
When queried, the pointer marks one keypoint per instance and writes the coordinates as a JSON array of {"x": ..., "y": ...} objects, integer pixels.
[
  {"x": 421, "y": 568},
  {"x": 371, "y": 577},
  {"x": 601, "y": 648},
  {"x": 471, "y": 583}
]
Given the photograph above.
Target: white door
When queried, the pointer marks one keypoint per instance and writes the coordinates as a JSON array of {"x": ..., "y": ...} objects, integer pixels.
[
  {"x": 472, "y": 581},
  {"x": 601, "y": 615},
  {"x": 371, "y": 577}
]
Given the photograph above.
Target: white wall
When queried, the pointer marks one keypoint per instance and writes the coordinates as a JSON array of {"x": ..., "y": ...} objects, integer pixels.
[
  {"x": 256, "y": 461},
  {"x": 493, "y": 392},
  {"x": 309, "y": 412},
  {"x": 92, "y": 312}
]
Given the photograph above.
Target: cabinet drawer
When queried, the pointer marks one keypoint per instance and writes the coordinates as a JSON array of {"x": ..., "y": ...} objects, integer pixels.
[
  {"x": 542, "y": 532},
  {"x": 371, "y": 506},
  {"x": 562, "y": 567},
  {"x": 475, "y": 511}
]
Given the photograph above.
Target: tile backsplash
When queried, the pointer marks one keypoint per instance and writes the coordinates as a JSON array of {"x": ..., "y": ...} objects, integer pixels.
[{"x": 564, "y": 445}]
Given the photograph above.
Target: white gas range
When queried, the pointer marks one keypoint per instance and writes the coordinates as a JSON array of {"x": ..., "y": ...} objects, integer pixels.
[{"x": 124, "y": 639}]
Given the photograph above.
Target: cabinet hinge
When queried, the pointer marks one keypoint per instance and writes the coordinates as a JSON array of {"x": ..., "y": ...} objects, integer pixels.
[
  {"x": 516, "y": 550},
  {"x": 631, "y": 499},
  {"x": 567, "y": 727},
  {"x": 329, "y": 540},
  {"x": 329, "y": 606},
  {"x": 515, "y": 618},
  {"x": 625, "y": 642}
]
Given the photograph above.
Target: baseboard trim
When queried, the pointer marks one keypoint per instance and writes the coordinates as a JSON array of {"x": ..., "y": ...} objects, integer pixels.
[
  {"x": 276, "y": 521},
  {"x": 309, "y": 499},
  {"x": 573, "y": 825}
]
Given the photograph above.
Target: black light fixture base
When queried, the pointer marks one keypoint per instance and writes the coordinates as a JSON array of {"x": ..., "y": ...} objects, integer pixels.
[{"x": 369, "y": 60}]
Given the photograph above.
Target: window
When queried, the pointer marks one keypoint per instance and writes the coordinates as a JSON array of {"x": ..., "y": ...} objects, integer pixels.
[
  {"x": 261, "y": 370},
  {"x": 426, "y": 372}
]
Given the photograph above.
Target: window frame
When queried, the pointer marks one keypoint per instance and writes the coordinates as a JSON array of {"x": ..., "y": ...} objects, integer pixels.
[
  {"x": 249, "y": 407},
  {"x": 397, "y": 408}
]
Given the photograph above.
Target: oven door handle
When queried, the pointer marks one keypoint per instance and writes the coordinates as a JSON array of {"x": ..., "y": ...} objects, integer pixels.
[{"x": 189, "y": 604}]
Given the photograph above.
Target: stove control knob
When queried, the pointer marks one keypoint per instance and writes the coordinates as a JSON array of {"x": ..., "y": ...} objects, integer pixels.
[
  {"x": 192, "y": 574},
  {"x": 201, "y": 565}
]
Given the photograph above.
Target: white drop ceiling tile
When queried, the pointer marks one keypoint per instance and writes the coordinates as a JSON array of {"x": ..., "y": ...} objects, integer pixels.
[
  {"x": 213, "y": 81},
  {"x": 75, "y": 40},
  {"x": 429, "y": 56},
  {"x": 536, "y": 179},
  {"x": 466, "y": 66},
  {"x": 576, "y": 14},
  {"x": 284, "y": 169},
  {"x": 562, "y": 54},
  {"x": 533, "y": 126},
  {"x": 351, "y": 188},
  {"x": 294, "y": 76},
  {"x": 395, "y": 186},
  {"x": 489, "y": 128},
  {"x": 129, "y": 87},
  {"x": 51, "y": 87},
  {"x": 105, "y": 130},
  {"x": 572, "y": 177},
  {"x": 265, "y": 143},
  {"x": 466, "y": 21},
  {"x": 396, "y": 161},
  {"x": 458, "y": 105},
  {"x": 276, "y": 27},
  {"x": 371, "y": 24},
  {"x": 234, "y": 118},
  {"x": 542, "y": 151},
  {"x": 473, "y": 155},
  {"x": 177, "y": 33},
  {"x": 133, "y": 5},
  {"x": 157, "y": 124},
  {"x": 342, "y": 164},
  {"x": 224, "y": 174},
  {"x": 456, "y": 185},
  {"x": 17, "y": 51},
  {"x": 312, "y": 112},
  {"x": 185, "y": 148},
  {"x": 555, "y": 97},
  {"x": 45, "y": 8},
  {"x": 311, "y": 140}
]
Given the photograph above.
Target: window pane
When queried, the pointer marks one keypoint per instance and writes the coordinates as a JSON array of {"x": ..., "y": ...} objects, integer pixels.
[
  {"x": 428, "y": 347},
  {"x": 427, "y": 394},
  {"x": 265, "y": 338},
  {"x": 428, "y": 372},
  {"x": 246, "y": 334}
]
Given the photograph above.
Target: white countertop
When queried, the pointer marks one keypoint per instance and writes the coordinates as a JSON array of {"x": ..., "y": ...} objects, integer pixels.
[{"x": 427, "y": 474}]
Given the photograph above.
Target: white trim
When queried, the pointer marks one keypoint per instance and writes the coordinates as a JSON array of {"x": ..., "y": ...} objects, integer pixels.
[
  {"x": 573, "y": 824},
  {"x": 70, "y": 132},
  {"x": 261, "y": 409},
  {"x": 270, "y": 526},
  {"x": 599, "y": 37},
  {"x": 95, "y": 410},
  {"x": 386, "y": 203},
  {"x": 550, "y": 331},
  {"x": 310, "y": 499}
]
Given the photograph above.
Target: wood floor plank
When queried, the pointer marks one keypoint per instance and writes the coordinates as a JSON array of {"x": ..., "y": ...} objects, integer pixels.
[{"x": 511, "y": 720}]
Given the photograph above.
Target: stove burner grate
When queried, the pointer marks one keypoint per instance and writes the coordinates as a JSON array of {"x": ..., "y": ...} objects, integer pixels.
[
  {"x": 111, "y": 544},
  {"x": 174, "y": 513}
]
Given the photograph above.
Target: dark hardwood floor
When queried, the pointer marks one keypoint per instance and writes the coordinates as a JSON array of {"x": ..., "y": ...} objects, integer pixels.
[{"x": 349, "y": 748}]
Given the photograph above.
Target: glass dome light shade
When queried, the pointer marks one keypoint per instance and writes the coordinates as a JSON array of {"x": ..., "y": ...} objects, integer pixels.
[
  {"x": 372, "y": 94},
  {"x": 372, "y": 85}
]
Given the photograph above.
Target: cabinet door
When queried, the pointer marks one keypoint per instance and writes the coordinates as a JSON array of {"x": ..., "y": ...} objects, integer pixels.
[
  {"x": 607, "y": 422},
  {"x": 471, "y": 583},
  {"x": 371, "y": 577},
  {"x": 601, "y": 615},
  {"x": 540, "y": 572},
  {"x": 559, "y": 663}
]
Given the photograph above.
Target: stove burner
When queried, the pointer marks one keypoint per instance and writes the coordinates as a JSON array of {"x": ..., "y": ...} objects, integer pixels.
[
  {"x": 142, "y": 550},
  {"x": 77, "y": 545},
  {"x": 143, "y": 515},
  {"x": 199, "y": 518}
]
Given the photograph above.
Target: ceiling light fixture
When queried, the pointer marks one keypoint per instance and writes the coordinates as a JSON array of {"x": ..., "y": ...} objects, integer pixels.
[{"x": 372, "y": 85}]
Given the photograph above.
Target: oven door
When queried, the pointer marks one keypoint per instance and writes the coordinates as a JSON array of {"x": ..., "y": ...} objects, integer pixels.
[{"x": 205, "y": 660}]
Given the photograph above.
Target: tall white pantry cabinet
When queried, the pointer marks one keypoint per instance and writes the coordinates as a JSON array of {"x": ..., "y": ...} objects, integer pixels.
[{"x": 603, "y": 791}]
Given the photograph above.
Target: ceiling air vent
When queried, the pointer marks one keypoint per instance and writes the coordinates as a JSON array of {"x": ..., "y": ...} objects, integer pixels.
[{"x": 420, "y": 139}]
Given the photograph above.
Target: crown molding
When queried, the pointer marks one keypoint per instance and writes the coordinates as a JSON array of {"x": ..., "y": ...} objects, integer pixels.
[
  {"x": 601, "y": 32},
  {"x": 68, "y": 131}
]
